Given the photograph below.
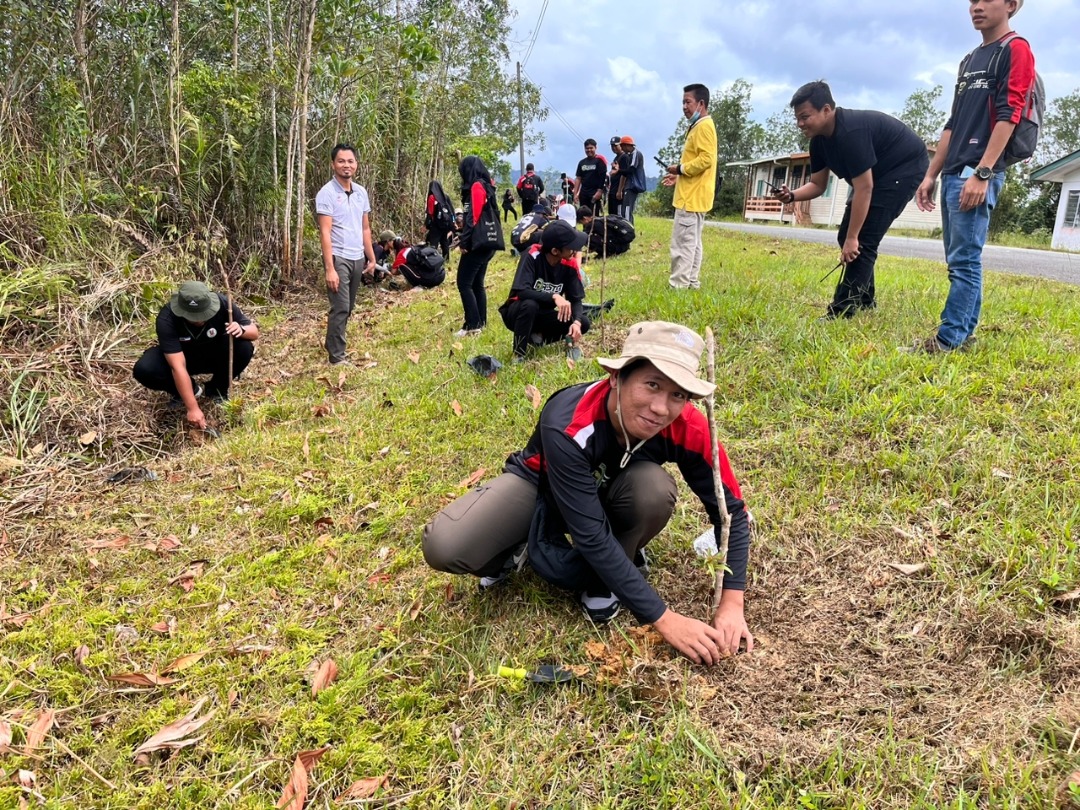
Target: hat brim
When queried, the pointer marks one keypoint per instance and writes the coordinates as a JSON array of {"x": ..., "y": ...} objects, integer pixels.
[
  {"x": 581, "y": 239},
  {"x": 206, "y": 314},
  {"x": 674, "y": 372}
]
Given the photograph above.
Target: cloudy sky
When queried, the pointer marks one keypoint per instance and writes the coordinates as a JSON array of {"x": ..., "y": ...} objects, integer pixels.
[{"x": 612, "y": 67}]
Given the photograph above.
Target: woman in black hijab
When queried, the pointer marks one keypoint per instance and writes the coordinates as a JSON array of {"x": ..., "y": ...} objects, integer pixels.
[{"x": 481, "y": 237}]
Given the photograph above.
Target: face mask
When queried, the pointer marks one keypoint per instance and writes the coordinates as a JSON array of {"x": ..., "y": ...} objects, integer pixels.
[{"x": 695, "y": 117}]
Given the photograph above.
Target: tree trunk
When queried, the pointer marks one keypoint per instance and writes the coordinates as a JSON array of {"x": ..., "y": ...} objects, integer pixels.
[{"x": 304, "y": 81}]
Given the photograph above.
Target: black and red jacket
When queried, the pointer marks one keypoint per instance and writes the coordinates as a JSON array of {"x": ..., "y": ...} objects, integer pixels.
[{"x": 574, "y": 453}]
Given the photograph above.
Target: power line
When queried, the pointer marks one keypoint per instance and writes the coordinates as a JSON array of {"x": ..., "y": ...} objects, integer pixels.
[
  {"x": 551, "y": 106},
  {"x": 536, "y": 33}
]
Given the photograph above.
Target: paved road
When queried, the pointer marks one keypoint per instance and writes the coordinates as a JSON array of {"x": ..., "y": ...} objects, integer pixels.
[{"x": 1019, "y": 261}]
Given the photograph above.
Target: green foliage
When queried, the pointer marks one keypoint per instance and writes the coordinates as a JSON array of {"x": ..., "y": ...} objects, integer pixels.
[
  {"x": 923, "y": 113},
  {"x": 1060, "y": 135}
]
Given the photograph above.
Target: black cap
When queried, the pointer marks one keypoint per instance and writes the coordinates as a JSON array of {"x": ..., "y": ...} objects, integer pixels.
[
  {"x": 615, "y": 139},
  {"x": 560, "y": 234}
]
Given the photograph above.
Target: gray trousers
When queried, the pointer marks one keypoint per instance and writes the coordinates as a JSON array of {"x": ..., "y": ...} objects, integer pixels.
[
  {"x": 341, "y": 304},
  {"x": 686, "y": 249},
  {"x": 478, "y": 532}
]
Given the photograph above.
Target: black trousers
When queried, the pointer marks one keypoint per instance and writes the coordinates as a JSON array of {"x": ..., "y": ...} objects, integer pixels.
[
  {"x": 152, "y": 369},
  {"x": 523, "y": 318},
  {"x": 508, "y": 210},
  {"x": 855, "y": 290},
  {"x": 439, "y": 239}
]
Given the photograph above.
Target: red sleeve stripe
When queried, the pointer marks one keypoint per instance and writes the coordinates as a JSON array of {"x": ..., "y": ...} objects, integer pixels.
[{"x": 1021, "y": 78}]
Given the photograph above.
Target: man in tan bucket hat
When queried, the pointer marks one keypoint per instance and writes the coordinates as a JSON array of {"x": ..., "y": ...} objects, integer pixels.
[{"x": 589, "y": 491}]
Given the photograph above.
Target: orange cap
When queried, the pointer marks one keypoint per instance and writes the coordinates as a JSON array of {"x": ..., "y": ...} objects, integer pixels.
[{"x": 626, "y": 139}]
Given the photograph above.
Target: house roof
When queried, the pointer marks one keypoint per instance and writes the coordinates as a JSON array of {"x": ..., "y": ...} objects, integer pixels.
[
  {"x": 1059, "y": 170},
  {"x": 793, "y": 157},
  {"x": 782, "y": 159}
]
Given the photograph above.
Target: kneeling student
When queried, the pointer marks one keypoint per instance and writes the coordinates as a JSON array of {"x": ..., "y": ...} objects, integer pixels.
[
  {"x": 545, "y": 298},
  {"x": 193, "y": 332},
  {"x": 589, "y": 491}
]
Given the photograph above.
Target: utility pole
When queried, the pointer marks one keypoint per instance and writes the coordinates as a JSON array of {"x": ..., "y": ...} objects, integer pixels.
[{"x": 521, "y": 123}]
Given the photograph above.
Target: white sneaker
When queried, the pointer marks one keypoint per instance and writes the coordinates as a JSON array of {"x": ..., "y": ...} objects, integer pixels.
[{"x": 464, "y": 333}]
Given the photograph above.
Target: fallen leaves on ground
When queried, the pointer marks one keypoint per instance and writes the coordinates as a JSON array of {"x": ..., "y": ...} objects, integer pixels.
[
  {"x": 908, "y": 569},
  {"x": 100, "y": 544},
  {"x": 183, "y": 662},
  {"x": 365, "y": 788},
  {"x": 296, "y": 789},
  {"x": 39, "y": 729},
  {"x": 533, "y": 393},
  {"x": 186, "y": 578},
  {"x": 414, "y": 356},
  {"x": 474, "y": 479},
  {"x": 324, "y": 676},
  {"x": 456, "y": 406},
  {"x": 177, "y": 734},
  {"x": 82, "y": 652},
  {"x": 5, "y": 736},
  {"x": 142, "y": 680}
]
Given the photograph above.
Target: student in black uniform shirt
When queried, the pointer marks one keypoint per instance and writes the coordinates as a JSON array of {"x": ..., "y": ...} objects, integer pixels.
[
  {"x": 193, "y": 332},
  {"x": 591, "y": 180},
  {"x": 883, "y": 161},
  {"x": 546, "y": 294}
]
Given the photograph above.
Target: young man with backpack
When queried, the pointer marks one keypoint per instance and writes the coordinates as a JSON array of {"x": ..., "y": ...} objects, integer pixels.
[
  {"x": 995, "y": 111},
  {"x": 530, "y": 227},
  {"x": 530, "y": 188}
]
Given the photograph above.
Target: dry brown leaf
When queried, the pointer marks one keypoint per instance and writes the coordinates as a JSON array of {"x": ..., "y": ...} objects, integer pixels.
[
  {"x": 306, "y": 449},
  {"x": 296, "y": 789},
  {"x": 88, "y": 438},
  {"x": 365, "y": 788},
  {"x": 908, "y": 569},
  {"x": 5, "y": 736},
  {"x": 473, "y": 479},
  {"x": 82, "y": 652},
  {"x": 143, "y": 680},
  {"x": 570, "y": 364},
  {"x": 1066, "y": 598},
  {"x": 167, "y": 543},
  {"x": 456, "y": 407},
  {"x": 26, "y": 779},
  {"x": 416, "y": 608},
  {"x": 533, "y": 393},
  {"x": 116, "y": 542},
  {"x": 414, "y": 356},
  {"x": 177, "y": 734},
  {"x": 186, "y": 578},
  {"x": 997, "y": 472},
  {"x": 39, "y": 729},
  {"x": 183, "y": 662},
  {"x": 165, "y": 628},
  {"x": 324, "y": 676}
]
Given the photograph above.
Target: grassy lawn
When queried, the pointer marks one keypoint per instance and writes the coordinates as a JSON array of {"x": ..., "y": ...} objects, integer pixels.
[{"x": 295, "y": 539}]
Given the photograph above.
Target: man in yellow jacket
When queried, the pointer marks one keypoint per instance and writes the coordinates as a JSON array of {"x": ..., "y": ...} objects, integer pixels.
[{"x": 694, "y": 178}]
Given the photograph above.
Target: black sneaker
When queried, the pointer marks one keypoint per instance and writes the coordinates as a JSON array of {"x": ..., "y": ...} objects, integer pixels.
[
  {"x": 600, "y": 608},
  {"x": 177, "y": 404}
]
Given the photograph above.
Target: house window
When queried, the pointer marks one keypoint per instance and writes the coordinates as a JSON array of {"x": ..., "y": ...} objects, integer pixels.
[
  {"x": 1072, "y": 210},
  {"x": 760, "y": 188}
]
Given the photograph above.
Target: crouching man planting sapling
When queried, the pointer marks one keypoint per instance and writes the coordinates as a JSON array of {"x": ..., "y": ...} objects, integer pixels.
[{"x": 589, "y": 492}]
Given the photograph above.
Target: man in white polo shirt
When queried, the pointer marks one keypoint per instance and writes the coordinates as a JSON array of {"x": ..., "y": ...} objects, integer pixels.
[{"x": 344, "y": 216}]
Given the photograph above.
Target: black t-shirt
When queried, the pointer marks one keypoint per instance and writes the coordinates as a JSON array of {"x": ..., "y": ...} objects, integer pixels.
[
  {"x": 868, "y": 139},
  {"x": 593, "y": 174},
  {"x": 625, "y": 164},
  {"x": 537, "y": 280},
  {"x": 176, "y": 334}
]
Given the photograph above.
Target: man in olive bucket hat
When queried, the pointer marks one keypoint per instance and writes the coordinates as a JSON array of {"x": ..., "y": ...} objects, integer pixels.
[
  {"x": 589, "y": 491},
  {"x": 193, "y": 332}
]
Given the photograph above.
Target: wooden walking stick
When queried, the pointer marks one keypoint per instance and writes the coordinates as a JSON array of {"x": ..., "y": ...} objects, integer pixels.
[
  {"x": 228, "y": 318},
  {"x": 718, "y": 485}
]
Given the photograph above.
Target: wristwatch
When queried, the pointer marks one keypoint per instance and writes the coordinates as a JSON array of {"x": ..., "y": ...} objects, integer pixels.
[{"x": 984, "y": 172}]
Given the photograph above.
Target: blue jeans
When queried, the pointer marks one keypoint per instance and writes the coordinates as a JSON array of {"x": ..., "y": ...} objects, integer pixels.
[{"x": 964, "y": 234}]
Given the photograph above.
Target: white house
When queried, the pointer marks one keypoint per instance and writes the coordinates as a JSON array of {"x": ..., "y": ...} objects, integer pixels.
[
  {"x": 793, "y": 170},
  {"x": 1067, "y": 225}
]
